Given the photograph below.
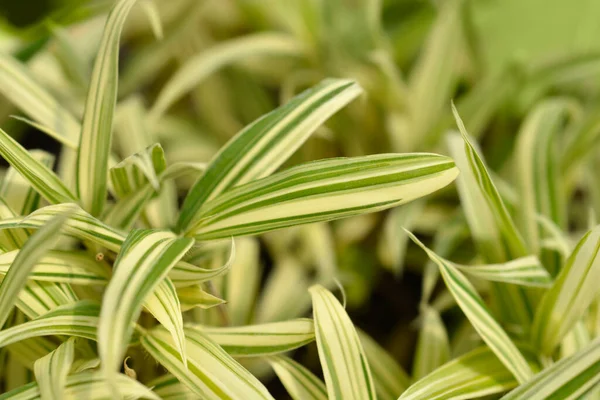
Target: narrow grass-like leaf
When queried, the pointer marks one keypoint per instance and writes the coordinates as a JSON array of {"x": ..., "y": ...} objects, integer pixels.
[
  {"x": 79, "y": 224},
  {"x": 144, "y": 261},
  {"x": 51, "y": 371},
  {"x": 38, "y": 298},
  {"x": 323, "y": 190},
  {"x": 135, "y": 171},
  {"x": 435, "y": 72},
  {"x": 12, "y": 239},
  {"x": 345, "y": 367},
  {"x": 43, "y": 180},
  {"x": 433, "y": 348},
  {"x": 300, "y": 383},
  {"x": 263, "y": 146},
  {"x": 163, "y": 304},
  {"x": 525, "y": 271},
  {"x": 389, "y": 378},
  {"x": 514, "y": 241},
  {"x": 536, "y": 156},
  {"x": 18, "y": 273},
  {"x": 186, "y": 274},
  {"x": 474, "y": 375},
  {"x": 261, "y": 340},
  {"x": 63, "y": 266},
  {"x": 496, "y": 235},
  {"x": 211, "y": 373},
  {"x": 477, "y": 312},
  {"x": 78, "y": 319},
  {"x": 96, "y": 130},
  {"x": 193, "y": 296},
  {"x": 198, "y": 67},
  {"x": 87, "y": 385},
  {"x": 569, "y": 378},
  {"x": 17, "y": 192},
  {"x": 574, "y": 289}
]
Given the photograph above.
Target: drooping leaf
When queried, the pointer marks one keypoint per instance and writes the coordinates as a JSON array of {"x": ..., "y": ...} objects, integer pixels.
[
  {"x": 210, "y": 373},
  {"x": 477, "y": 312},
  {"x": 63, "y": 266},
  {"x": 18, "y": 273},
  {"x": 78, "y": 319},
  {"x": 43, "y": 180}
]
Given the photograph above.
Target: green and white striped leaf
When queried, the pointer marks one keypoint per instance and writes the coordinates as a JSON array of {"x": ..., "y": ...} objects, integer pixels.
[
  {"x": 186, "y": 274},
  {"x": 433, "y": 347},
  {"x": 511, "y": 236},
  {"x": 261, "y": 340},
  {"x": 537, "y": 162},
  {"x": 38, "y": 298},
  {"x": 134, "y": 172},
  {"x": 200, "y": 66},
  {"x": 300, "y": 383},
  {"x": 78, "y": 319},
  {"x": 569, "y": 378},
  {"x": 167, "y": 387},
  {"x": 18, "y": 273},
  {"x": 17, "y": 192},
  {"x": 18, "y": 85},
  {"x": 11, "y": 239},
  {"x": 73, "y": 267},
  {"x": 163, "y": 304},
  {"x": 87, "y": 385},
  {"x": 345, "y": 367},
  {"x": 476, "y": 374},
  {"x": 389, "y": 378},
  {"x": 85, "y": 227},
  {"x": 525, "y": 271},
  {"x": 193, "y": 296},
  {"x": 263, "y": 146},
  {"x": 323, "y": 190},
  {"x": 492, "y": 227},
  {"x": 210, "y": 373},
  {"x": 574, "y": 289},
  {"x": 79, "y": 224},
  {"x": 477, "y": 312},
  {"x": 41, "y": 178},
  {"x": 51, "y": 371},
  {"x": 96, "y": 129},
  {"x": 143, "y": 262}
]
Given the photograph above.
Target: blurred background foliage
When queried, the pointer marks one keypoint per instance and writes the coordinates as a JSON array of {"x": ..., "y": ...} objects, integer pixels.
[{"x": 496, "y": 59}]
